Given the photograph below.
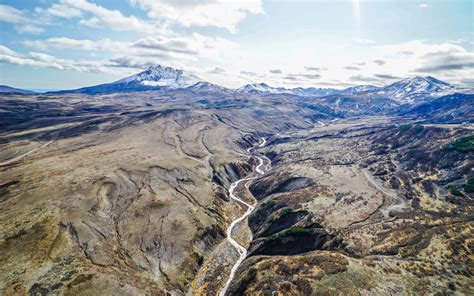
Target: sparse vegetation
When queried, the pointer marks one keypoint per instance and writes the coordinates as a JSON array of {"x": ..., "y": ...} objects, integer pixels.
[
  {"x": 199, "y": 258},
  {"x": 269, "y": 203},
  {"x": 405, "y": 127},
  {"x": 418, "y": 128},
  {"x": 291, "y": 231},
  {"x": 455, "y": 191},
  {"x": 283, "y": 212},
  {"x": 469, "y": 186},
  {"x": 465, "y": 144},
  {"x": 81, "y": 278}
]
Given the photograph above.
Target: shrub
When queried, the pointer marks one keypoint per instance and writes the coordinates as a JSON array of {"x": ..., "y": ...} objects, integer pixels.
[
  {"x": 81, "y": 278},
  {"x": 283, "y": 213},
  {"x": 418, "y": 128},
  {"x": 405, "y": 127},
  {"x": 468, "y": 188},
  {"x": 291, "y": 231},
  {"x": 465, "y": 144},
  {"x": 269, "y": 203},
  {"x": 455, "y": 191}
]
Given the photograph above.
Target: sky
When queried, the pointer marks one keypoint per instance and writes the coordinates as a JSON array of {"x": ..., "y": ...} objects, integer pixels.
[{"x": 64, "y": 44}]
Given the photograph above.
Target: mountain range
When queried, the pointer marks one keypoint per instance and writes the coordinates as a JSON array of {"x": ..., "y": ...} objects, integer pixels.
[
  {"x": 406, "y": 90},
  {"x": 157, "y": 77}
]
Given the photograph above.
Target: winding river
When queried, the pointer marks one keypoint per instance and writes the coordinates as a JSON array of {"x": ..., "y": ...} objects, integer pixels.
[{"x": 242, "y": 250}]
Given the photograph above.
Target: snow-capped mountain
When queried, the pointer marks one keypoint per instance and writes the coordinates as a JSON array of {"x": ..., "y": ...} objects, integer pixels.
[
  {"x": 306, "y": 92},
  {"x": 206, "y": 86},
  {"x": 299, "y": 91},
  {"x": 359, "y": 89},
  {"x": 158, "y": 75},
  {"x": 411, "y": 89},
  {"x": 153, "y": 78},
  {"x": 262, "y": 88},
  {"x": 407, "y": 90},
  {"x": 313, "y": 91}
]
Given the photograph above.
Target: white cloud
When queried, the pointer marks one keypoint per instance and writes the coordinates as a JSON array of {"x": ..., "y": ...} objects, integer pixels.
[
  {"x": 30, "y": 29},
  {"x": 160, "y": 45},
  {"x": 352, "y": 68},
  {"x": 317, "y": 69},
  {"x": 103, "y": 17},
  {"x": 94, "y": 15},
  {"x": 129, "y": 57},
  {"x": 12, "y": 15},
  {"x": 216, "y": 70},
  {"x": 6, "y": 51},
  {"x": 77, "y": 44},
  {"x": 172, "y": 47},
  {"x": 248, "y": 73},
  {"x": 379, "y": 64},
  {"x": 42, "y": 60},
  {"x": 423, "y": 5},
  {"x": 59, "y": 10},
  {"x": 222, "y": 14},
  {"x": 444, "y": 60},
  {"x": 158, "y": 42},
  {"x": 20, "y": 20},
  {"x": 9, "y": 56}
]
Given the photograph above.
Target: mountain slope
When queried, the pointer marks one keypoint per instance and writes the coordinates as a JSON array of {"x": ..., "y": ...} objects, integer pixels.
[
  {"x": 456, "y": 108},
  {"x": 12, "y": 90},
  {"x": 203, "y": 86}
]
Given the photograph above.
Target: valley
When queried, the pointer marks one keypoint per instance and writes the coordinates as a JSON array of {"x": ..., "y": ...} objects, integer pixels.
[{"x": 202, "y": 190}]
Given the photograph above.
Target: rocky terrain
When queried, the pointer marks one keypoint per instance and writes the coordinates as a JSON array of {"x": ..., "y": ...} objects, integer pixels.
[
  {"x": 372, "y": 206},
  {"x": 127, "y": 193}
]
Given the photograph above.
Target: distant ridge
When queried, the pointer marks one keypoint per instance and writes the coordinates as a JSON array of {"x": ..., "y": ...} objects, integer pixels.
[
  {"x": 406, "y": 90},
  {"x": 12, "y": 90}
]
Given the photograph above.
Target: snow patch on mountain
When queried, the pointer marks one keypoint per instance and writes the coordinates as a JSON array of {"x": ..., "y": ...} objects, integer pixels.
[
  {"x": 158, "y": 75},
  {"x": 411, "y": 89},
  {"x": 206, "y": 86},
  {"x": 359, "y": 89},
  {"x": 307, "y": 92},
  {"x": 261, "y": 88}
]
